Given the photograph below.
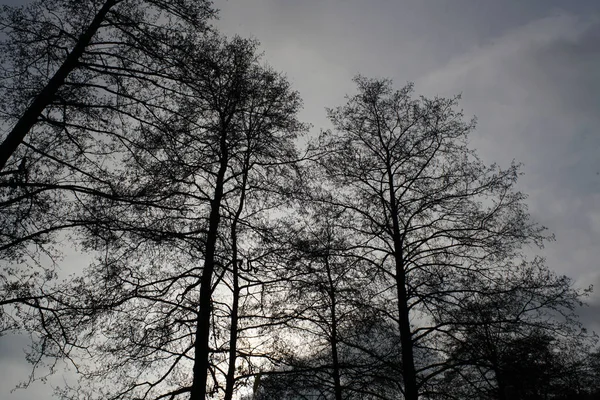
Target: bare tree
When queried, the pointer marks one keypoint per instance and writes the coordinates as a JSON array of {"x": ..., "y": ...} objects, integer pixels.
[
  {"x": 75, "y": 78},
  {"x": 206, "y": 181},
  {"x": 328, "y": 300},
  {"x": 516, "y": 337},
  {"x": 169, "y": 152},
  {"x": 322, "y": 289},
  {"x": 429, "y": 212}
]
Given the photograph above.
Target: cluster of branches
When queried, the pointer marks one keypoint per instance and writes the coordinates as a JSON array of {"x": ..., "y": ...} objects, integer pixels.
[
  {"x": 416, "y": 280},
  {"x": 384, "y": 262}
]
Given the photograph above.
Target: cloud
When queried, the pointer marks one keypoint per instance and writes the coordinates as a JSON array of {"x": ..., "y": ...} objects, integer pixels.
[
  {"x": 529, "y": 78},
  {"x": 533, "y": 80},
  {"x": 535, "y": 88},
  {"x": 536, "y": 92},
  {"x": 530, "y": 72}
]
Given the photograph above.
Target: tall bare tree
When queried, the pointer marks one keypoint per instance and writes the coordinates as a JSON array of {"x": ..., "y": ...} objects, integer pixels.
[
  {"x": 205, "y": 181},
  {"x": 429, "y": 212},
  {"x": 325, "y": 340}
]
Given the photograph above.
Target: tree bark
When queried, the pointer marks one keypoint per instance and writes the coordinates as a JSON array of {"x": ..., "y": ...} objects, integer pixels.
[{"x": 41, "y": 101}]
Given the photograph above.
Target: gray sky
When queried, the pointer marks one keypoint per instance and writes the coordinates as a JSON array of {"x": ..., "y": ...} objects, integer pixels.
[{"x": 529, "y": 70}]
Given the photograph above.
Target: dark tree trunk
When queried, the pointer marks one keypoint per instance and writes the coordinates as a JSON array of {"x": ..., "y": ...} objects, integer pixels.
[
  {"x": 233, "y": 334},
  {"x": 408, "y": 362},
  {"x": 230, "y": 379},
  {"x": 503, "y": 390},
  {"x": 45, "y": 97},
  {"x": 201, "y": 346},
  {"x": 334, "y": 336}
]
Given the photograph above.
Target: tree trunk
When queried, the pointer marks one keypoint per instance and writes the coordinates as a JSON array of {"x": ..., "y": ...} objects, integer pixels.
[
  {"x": 230, "y": 378},
  {"x": 408, "y": 362},
  {"x": 502, "y": 387},
  {"x": 233, "y": 334},
  {"x": 334, "y": 337},
  {"x": 201, "y": 346},
  {"x": 45, "y": 97}
]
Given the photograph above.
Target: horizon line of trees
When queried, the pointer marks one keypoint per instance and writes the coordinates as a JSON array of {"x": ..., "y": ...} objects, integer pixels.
[{"x": 384, "y": 260}]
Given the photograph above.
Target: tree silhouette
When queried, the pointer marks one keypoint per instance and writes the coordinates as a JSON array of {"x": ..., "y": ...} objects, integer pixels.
[
  {"x": 205, "y": 182},
  {"x": 518, "y": 337},
  {"x": 76, "y": 78},
  {"x": 52, "y": 44},
  {"x": 385, "y": 263},
  {"x": 429, "y": 212}
]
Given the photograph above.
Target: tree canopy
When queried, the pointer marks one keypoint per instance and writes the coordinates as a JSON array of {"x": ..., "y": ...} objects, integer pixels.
[{"x": 384, "y": 261}]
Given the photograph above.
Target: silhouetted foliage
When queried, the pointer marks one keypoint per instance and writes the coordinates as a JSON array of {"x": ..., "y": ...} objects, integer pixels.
[
  {"x": 428, "y": 214},
  {"x": 518, "y": 338},
  {"x": 76, "y": 78},
  {"x": 385, "y": 263},
  {"x": 206, "y": 182}
]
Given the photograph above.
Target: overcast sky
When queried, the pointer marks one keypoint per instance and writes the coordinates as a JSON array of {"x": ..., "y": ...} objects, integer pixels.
[{"x": 529, "y": 70}]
